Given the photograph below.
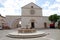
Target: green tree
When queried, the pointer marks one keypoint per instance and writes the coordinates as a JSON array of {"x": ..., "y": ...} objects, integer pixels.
[{"x": 53, "y": 18}]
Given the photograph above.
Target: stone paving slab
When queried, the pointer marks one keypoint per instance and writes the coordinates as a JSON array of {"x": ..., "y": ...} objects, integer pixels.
[{"x": 54, "y": 34}]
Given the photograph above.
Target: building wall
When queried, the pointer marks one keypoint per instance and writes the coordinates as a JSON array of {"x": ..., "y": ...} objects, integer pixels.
[
  {"x": 12, "y": 21},
  {"x": 26, "y": 17},
  {"x": 37, "y": 20},
  {"x": 26, "y": 12},
  {"x": 37, "y": 16},
  {"x": 45, "y": 19},
  {"x": 2, "y": 20}
]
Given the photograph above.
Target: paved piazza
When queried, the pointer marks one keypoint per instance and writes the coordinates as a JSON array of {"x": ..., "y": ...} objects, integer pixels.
[{"x": 54, "y": 34}]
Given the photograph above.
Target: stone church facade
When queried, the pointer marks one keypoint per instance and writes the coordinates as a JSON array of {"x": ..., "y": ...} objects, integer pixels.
[{"x": 31, "y": 17}]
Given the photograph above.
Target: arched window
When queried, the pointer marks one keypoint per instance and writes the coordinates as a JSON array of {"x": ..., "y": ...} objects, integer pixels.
[{"x": 31, "y": 6}]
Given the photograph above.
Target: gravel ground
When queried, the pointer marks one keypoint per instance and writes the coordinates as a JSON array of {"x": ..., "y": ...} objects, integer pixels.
[{"x": 54, "y": 34}]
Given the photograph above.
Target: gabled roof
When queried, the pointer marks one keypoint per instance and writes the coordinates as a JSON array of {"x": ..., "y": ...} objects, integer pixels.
[
  {"x": 31, "y": 4},
  {"x": 2, "y": 16}
]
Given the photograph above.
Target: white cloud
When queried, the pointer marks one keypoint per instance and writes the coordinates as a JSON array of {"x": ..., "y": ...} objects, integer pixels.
[
  {"x": 46, "y": 4},
  {"x": 2, "y": 1},
  {"x": 57, "y": 0},
  {"x": 50, "y": 11},
  {"x": 12, "y": 7},
  {"x": 24, "y": 2},
  {"x": 55, "y": 5}
]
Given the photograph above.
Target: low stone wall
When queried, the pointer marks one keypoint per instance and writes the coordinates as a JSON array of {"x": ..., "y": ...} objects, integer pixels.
[{"x": 26, "y": 30}]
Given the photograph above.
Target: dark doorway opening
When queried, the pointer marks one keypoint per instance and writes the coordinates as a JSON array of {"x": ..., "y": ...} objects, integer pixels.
[{"x": 32, "y": 25}]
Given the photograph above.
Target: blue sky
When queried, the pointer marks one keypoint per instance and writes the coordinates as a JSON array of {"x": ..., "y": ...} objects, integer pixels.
[{"x": 13, "y": 7}]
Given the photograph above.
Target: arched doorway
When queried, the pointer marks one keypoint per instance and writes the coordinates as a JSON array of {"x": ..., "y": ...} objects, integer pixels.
[
  {"x": 32, "y": 23},
  {"x": 15, "y": 23}
]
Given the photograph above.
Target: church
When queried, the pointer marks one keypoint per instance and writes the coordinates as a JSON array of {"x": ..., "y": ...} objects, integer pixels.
[{"x": 31, "y": 17}]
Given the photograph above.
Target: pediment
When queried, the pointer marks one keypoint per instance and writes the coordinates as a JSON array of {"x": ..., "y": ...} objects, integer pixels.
[{"x": 31, "y": 4}]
